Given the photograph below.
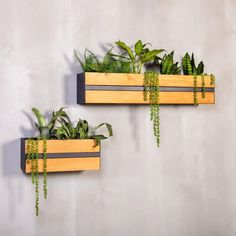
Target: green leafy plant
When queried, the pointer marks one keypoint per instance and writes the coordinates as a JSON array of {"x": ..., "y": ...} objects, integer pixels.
[
  {"x": 195, "y": 89},
  {"x": 151, "y": 94},
  {"x": 167, "y": 64},
  {"x": 46, "y": 129},
  {"x": 32, "y": 155},
  {"x": 80, "y": 131},
  {"x": 59, "y": 126},
  {"x": 109, "y": 63},
  {"x": 189, "y": 67},
  {"x": 139, "y": 56},
  {"x": 212, "y": 79}
]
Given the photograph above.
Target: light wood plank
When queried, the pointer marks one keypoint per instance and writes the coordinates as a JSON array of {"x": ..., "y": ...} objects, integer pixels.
[
  {"x": 93, "y": 78},
  {"x": 67, "y": 164},
  {"x": 65, "y": 146},
  {"x": 136, "y": 97}
]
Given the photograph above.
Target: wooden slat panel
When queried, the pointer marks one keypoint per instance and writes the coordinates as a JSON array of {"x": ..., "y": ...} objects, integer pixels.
[
  {"x": 136, "y": 97},
  {"x": 67, "y": 164},
  {"x": 65, "y": 146},
  {"x": 92, "y": 78}
]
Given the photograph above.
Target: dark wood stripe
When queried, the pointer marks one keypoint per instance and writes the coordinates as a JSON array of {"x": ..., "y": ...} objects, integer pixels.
[
  {"x": 141, "y": 88},
  {"x": 70, "y": 155}
]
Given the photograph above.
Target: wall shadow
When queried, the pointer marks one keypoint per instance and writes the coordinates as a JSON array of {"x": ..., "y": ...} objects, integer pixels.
[
  {"x": 11, "y": 158},
  {"x": 70, "y": 93}
]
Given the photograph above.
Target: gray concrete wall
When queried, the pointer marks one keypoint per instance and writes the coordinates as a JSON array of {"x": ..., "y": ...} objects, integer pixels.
[{"x": 186, "y": 188}]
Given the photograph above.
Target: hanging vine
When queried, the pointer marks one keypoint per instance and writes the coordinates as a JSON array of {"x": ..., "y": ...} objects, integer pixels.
[
  {"x": 36, "y": 177},
  {"x": 151, "y": 94},
  {"x": 45, "y": 190},
  {"x": 203, "y": 87},
  {"x": 32, "y": 156},
  {"x": 212, "y": 79},
  {"x": 195, "y": 100}
]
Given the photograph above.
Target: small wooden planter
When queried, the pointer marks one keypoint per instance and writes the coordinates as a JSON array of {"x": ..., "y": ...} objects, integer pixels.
[
  {"x": 64, "y": 155},
  {"x": 119, "y": 88}
]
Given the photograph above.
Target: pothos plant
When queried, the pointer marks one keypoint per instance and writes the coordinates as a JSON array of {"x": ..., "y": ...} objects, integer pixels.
[{"x": 59, "y": 126}]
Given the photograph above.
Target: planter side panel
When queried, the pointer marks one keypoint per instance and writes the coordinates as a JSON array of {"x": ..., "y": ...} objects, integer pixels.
[
  {"x": 64, "y": 155},
  {"x": 119, "y": 88}
]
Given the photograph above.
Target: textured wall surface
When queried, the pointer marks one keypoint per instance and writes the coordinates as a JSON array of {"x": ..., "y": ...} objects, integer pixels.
[{"x": 186, "y": 188}]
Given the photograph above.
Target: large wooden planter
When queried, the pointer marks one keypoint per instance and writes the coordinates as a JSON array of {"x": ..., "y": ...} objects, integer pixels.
[
  {"x": 118, "y": 88},
  {"x": 64, "y": 155}
]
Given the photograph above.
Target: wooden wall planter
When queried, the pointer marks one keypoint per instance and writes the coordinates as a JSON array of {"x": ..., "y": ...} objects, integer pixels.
[
  {"x": 118, "y": 88},
  {"x": 65, "y": 155}
]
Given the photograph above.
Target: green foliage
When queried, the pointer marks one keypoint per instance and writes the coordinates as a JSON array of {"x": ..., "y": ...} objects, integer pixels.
[
  {"x": 50, "y": 130},
  {"x": 151, "y": 94},
  {"x": 45, "y": 190},
  {"x": 212, "y": 79},
  {"x": 36, "y": 172},
  {"x": 195, "y": 100},
  {"x": 189, "y": 67},
  {"x": 167, "y": 64},
  {"x": 66, "y": 130},
  {"x": 32, "y": 156},
  {"x": 46, "y": 129},
  {"x": 203, "y": 87},
  {"x": 139, "y": 56},
  {"x": 109, "y": 63}
]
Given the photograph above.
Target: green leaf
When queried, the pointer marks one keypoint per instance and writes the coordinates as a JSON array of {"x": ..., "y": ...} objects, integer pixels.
[
  {"x": 80, "y": 61},
  {"x": 200, "y": 68},
  {"x": 55, "y": 116},
  {"x": 138, "y": 47},
  {"x": 108, "y": 126},
  {"x": 167, "y": 63},
  {"x": 186, "y": 65},
  {"x": 175, "y": 69},
  {"x": 84, "y": 125},
  {"x": 98, "y": 138},
  {"x": 82, "y": 133},
  {"x": 194, "y": 69},
  {"x": 150, "y": 55},
  {"x": 92, "y": 64},
  {"x": 40, "y": 117},
  {"x": 126, "y": 48},
  {"x": 44, "y": 132}
]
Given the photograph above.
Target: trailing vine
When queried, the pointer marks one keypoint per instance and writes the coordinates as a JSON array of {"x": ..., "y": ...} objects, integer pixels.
[
  {"x": 36, "y": 172},
  {"x": 151, "y": 94},
  {"x": 45, "y": 191},
  {"x": 32, "y": 157},
  {"x": 212, "y": 79},
  {"x": 203, "y": 87},
  {"x": 195, "y": 100}
]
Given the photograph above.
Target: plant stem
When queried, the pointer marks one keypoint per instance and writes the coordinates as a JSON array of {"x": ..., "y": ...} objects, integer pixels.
[
  {"x": 36, "y": 178},
  {"x": 203, "y": 87},
  {"x": 195, "y": 100},
  {"x": 151, "y": 88},
  {"x": 212, "y": 80},
  {"x": 45, "y": 168}
]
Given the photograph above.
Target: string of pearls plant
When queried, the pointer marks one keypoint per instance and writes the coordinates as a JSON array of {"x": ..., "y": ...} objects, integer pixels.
[{"x": 151, "y": 94}]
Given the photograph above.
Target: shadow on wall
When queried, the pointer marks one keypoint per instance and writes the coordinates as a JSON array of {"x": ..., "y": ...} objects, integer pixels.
[
  {"x": 70, "y": 82},
  {"x": 11, "y": 152},
  {"x": 11, "y": 158}
]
